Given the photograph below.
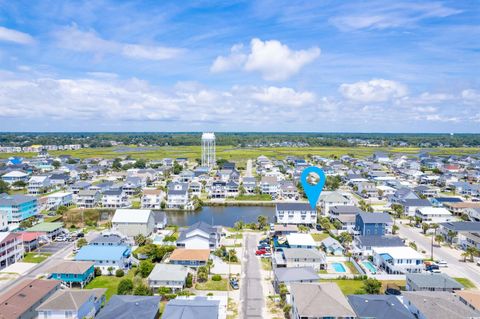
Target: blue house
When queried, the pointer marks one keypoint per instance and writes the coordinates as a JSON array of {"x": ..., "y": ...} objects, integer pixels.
[
  {"x": 372, "y": 224},
  {"x": 18, "y": 207},
  {"x": 104, "y": 257},
  {"x": 73, "y": 272}
]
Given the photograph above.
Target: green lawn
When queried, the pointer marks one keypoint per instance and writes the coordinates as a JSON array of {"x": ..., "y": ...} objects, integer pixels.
[
  {"x": 35, "y": 257},
  {"x": 50, "y": 219},
  {"x": 221, "y": 285},
  {"x": 254, "y": 197},
  {"x": 349, "y": 287},
  {"x": 351, "y": 267},
  {"x": 109, "y": 282},
  {"x": 465, "y": 282},
  {"x": 266, "y": 264},
  {"x": 320, "y": 236}
]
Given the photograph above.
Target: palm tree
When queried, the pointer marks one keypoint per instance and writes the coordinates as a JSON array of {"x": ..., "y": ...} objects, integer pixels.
[
  {"x": 425, "y": 227},
  {"x": 451, "y": 234},
  {"x": 439, "y": 239},
  {"x": 471, "y": 252}
]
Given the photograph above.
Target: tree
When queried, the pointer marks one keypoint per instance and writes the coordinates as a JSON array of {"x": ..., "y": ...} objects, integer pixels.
[
  {"x": 4, "y": 188},
  {"x": 81, "y": 242},
  {"x": 345, "y": 238},
  {"x": 97, "y": 271},
  {"x": 425, "y": 228},
  {"x": 177, "y": 168},
  {"x": 398, "y": 210},
  {"x": 325, "y": 223},
  {"x": 451, "y": 235},
  {"x": 189, "y": 281},
  {"x": 232, "y": 255},
  {"x": 333, "y": 182},
  {"x": 140, "y": 240},
  {"x": 140, "y": 163},
  {"x": 239, "y": 225},
  {"x": 262, "y": 221},
  {"x": 337, "y": 224},
  {"x": 117, "y": 165},
  {"x": 110, "y": 270},
  {"x": 395, "y": 228},
  {"x": 56, "y": 164},
  {"x": 471, "y": 252},
  {"x": 119, "y": 273},
  {"x": 19, "y": 184},
  {"x": 125, "y": 287},
  {"x": 62, "y": 209},
  {"x": 372, "y": 286},
  {"x": 145, "y": 268},
  {"x": 142, "y": 290},
  {"x": 202, "y": 273},
  {"x": 439, "y": 239}
]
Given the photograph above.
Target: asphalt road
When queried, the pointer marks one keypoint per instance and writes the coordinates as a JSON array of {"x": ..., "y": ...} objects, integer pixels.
[
  {"x": 456, "y": 266},
  {"x": 251, "y": 293}
]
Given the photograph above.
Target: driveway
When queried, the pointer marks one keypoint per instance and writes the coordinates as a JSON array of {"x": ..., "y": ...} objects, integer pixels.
[
  {"x": 456, "y": 266},
  {"x": 52, "y": 248},
  {"x": 252, "y": 299}
]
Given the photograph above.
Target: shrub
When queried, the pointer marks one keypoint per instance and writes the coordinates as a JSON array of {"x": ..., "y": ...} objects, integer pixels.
[
  {"x": 145, "y": 268},
  {"x": 98, "y": 271},
  {"x": 189, "y": 281},
  {"x": 216, "y": 277},
  {"x": 125, "y": 287},
  {"x": 119, "y": 273}
]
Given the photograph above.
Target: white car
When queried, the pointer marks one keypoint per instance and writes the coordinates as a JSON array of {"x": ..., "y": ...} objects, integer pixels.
[{"x": 442, "y": 263}]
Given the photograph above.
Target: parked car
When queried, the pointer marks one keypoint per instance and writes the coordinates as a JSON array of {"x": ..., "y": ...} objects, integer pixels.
[
  {"x": 266, "y": 255},
  {"x": 318, "y": 227},
  {"x": 234, "y": 283},
  {"x": 442, "y": 263},
  {"x": 60, "y": 239},
  {"x": 260, "y": 252}
]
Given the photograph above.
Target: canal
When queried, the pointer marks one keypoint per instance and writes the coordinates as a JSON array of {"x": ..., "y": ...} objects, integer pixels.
[{"x": 220, "y": 215}]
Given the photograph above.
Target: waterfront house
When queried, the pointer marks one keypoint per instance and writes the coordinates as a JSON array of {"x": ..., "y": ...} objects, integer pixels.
[
  {"x": 11, "y": 248},
  {"x": 18, "y": 207},
  {"x": 375, "y": 224},
  {"x": 269, "y": 185},
  {"x": 132, "y": 222},
  {"x": 115, "y": 198},
  {"x": 432, "y": 282},
  {"x": 73, "y": 272},
  {"x": 319, "y": 301},
  {"x": 160, "y": 220},
  {"x": 249, "y": 184},
  {"x": 127, "y": 307},
  {"x": 177, "y": 196},
  {"x": 23, "y": 298},
  {"x": 152, "y": 198},
  {"x": 190, "y": 257},
  {"x": 74, "y": 304},
  {"x": 169, "y": 276},
  {"x": 295, "y": 213},
  {"x": 104, "y": 257},
  {"x": 199, "y": 236}
]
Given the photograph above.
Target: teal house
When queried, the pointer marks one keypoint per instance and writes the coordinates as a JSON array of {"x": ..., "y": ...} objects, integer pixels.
[{"x": 73, "y": 273}]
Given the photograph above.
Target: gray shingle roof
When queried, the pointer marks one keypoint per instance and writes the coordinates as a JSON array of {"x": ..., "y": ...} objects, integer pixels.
[
  {"x": 296, "y": 274},
  {"x": 380, "y": 241},
  {"x": 291, "y": 253},
  {"x": 294, "y": 206},
  {"x": 128, "y": 307},
  {"x": 379, "y": 306},
  {"x": 462, "y": 226},
  {"x": 198, "y": 308},
  {"x": 432, "y": 280},
  {"x": 370, "y": 218}
]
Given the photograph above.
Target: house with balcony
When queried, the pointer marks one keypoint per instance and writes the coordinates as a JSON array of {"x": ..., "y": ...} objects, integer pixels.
[
  {"x": 11, "y": 248},
  {"x": 269, "y": 185},
  {"x": 373, "y": 224},
  {"x": 330, "y": 199},
  {"x": 15, "y": 176},
  {"x": 249, "y": 184},
  {"x": 38, "y": 185},
  {"x": 295, "y": 213},
  {"x": 58, "y": 199},
  {"x": 152, "y": 198},
  {"x": 200, "y": 236},
  {"x": 177, "y": 196},
  {"x": 88, "y": 198},
  {"x": 115, "y": 198},
  {"x": 18, "y": 207},
  {"x": 433, "y": 215},
  {"x": 104, "y": 257},
  {"x": 169, "y": 276},
  {"x": 398, "y": 260},
  {"x": 73, "y": 273}
]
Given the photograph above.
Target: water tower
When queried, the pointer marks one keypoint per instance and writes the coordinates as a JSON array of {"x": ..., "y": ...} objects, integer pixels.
[{"x": 208, "y": 149}]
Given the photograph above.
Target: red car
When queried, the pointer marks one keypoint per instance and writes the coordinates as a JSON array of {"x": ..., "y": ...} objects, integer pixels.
[{"x": 260, "y": 252}]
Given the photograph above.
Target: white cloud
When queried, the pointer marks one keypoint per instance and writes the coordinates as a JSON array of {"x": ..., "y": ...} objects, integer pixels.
[
  {"x": 471, "y": 95},
  {"x": 283, "y": 96},
  {"x": 389, "y": 15},
  {"x": 376, "y": 90},
  {"x": 74, "y": 39},
  {"x": 231, "y": 62},
  {"x": 274, "y": 60},
  {"x": 9, "y": 35}
]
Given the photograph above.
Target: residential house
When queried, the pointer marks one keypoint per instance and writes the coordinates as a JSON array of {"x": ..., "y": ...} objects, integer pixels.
[
  {"x": 426, "y": 191},
  {"x": 218, "y": 190},
  {"x": 295, "y": 213},
  {"x": 177, "y": 196},
  {"x": 190, "y": 257},
  {"x": 410, "y": 206},
  {"x": 330, "y": 199},
  {"x": 471, "y": 298},
  {"x": 108, "y": 239},
  {"x": 301, "y": 257},
  {"x": 269, "y": 185},
  {"x": 461, "y": 233},
  {"x": 31, "y": 240},
  {"x": 332, "y": 246},
  {"x": 432, "y": 282},
  {"x": 364, "y": 245},
  {"x": 437, "y": 305},
  {"x": 398, "y": 260},
  {"x": 169, "y": 276},
  {"x": 249, "y": 184},
  {"x": 133, "y": 185},
  {"x": 160, "y": 220},
  {"x": 79, "y": 186},
  {"x": 376, "y": 224},
  {"x": 367, "y": 189},
  {"x": 59, "y": 180},
  {"x": 288, "y": 190},
  {"x": 473, "y": 213},
  {"x": 127, "y": 307},
  {"x": 58, "y": 199},
  {"x": 88, "y": 198},
  {"x": 115, "y": 198},
  {"x": 379, "y": 306},
  {"x": 107, "y": 258},
  {"x": 73, "y": 272},
  {"x": 461, "y": 207},
  {"x": 319, "y": 300},
  {"x": 195, "y": 188},
  {"x": 199, "y": 236},
  {"x": 38, "y": 185},
  {"x": 194, "y": 307},
  {"x": 15, "y": 176},
  {"x": 292, "y": 275},
  {"x": 50, "y": 229},
  {"x": 18, "y": 207},
  {"x": 298, "y": 240},
  {"x": 152, "y": 198},
  {"x": 132, "y": 222},
  {"x": 21, "y": 300},
  {"x": 3, "y": 221},
  {"x": 11, "y": 248},
  {"x": 346, "y": 216},
  {"x": 75, "y": 304},
  {"x": 433, "y": 215}
]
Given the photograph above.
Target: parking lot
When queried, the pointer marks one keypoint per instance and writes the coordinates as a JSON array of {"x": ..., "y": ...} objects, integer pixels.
[{"x": 53, "y": 247}]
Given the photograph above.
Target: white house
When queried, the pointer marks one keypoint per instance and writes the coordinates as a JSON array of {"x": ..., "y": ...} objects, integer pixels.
[
  {"x": 152, "y": 198},
  {"x": 58, "y": 199},
  {"x": 15, "y": 176},
  {"x": 115, "y": 198},
  {"x": 433, "y": 215},
  {"x": 298, "y": 240},
  {"x": 177, "y": 197},
  {"x": 169, "y": 276},
  {"x": 88, "y": 198},
  {"x": 398, "y": 260},
  {"x": 295, "y": 213},
  {"x": 132, "y": 222},
  {"x": 38, "y": 185},
  {"x": 329, "y": 199},
  {"x": 199, "y": 236}
]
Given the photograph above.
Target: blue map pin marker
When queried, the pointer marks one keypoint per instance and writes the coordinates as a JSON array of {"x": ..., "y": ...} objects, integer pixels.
[{"x": 313, "y": 191}]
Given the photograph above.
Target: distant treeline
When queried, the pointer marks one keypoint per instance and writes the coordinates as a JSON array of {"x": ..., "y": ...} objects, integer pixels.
[{"x": 242, "y": 139}]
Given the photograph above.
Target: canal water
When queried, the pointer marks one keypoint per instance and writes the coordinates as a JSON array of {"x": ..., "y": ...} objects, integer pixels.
[{"x": 220, "y": 215}]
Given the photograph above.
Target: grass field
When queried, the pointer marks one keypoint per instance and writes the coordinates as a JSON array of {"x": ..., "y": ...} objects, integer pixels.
[
  {"x": 109, "y": 282},
  {"x": 221, "y": 285},
  {"x": 35, "y": 257},
  {"x": 465, "y": 282},
  {"x": 320, "y": 236},
  {"x": 241, "y": 154},
  {"x": 349, "y": 287}
]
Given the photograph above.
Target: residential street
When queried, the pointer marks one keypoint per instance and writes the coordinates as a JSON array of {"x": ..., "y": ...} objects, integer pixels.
[
  {"x": 251, "y": 295},
  {"x": 456, "y": 267},
  {"x": 248, "y": 171}
]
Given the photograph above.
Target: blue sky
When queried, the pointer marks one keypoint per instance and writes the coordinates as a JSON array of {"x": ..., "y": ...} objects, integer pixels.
[{"x": 324, "y": 66}]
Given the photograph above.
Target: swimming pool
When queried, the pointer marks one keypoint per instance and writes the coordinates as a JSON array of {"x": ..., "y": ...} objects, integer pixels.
[
  {"x": 370, "y": 267},
  {"x": 338, "y": 267}
]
